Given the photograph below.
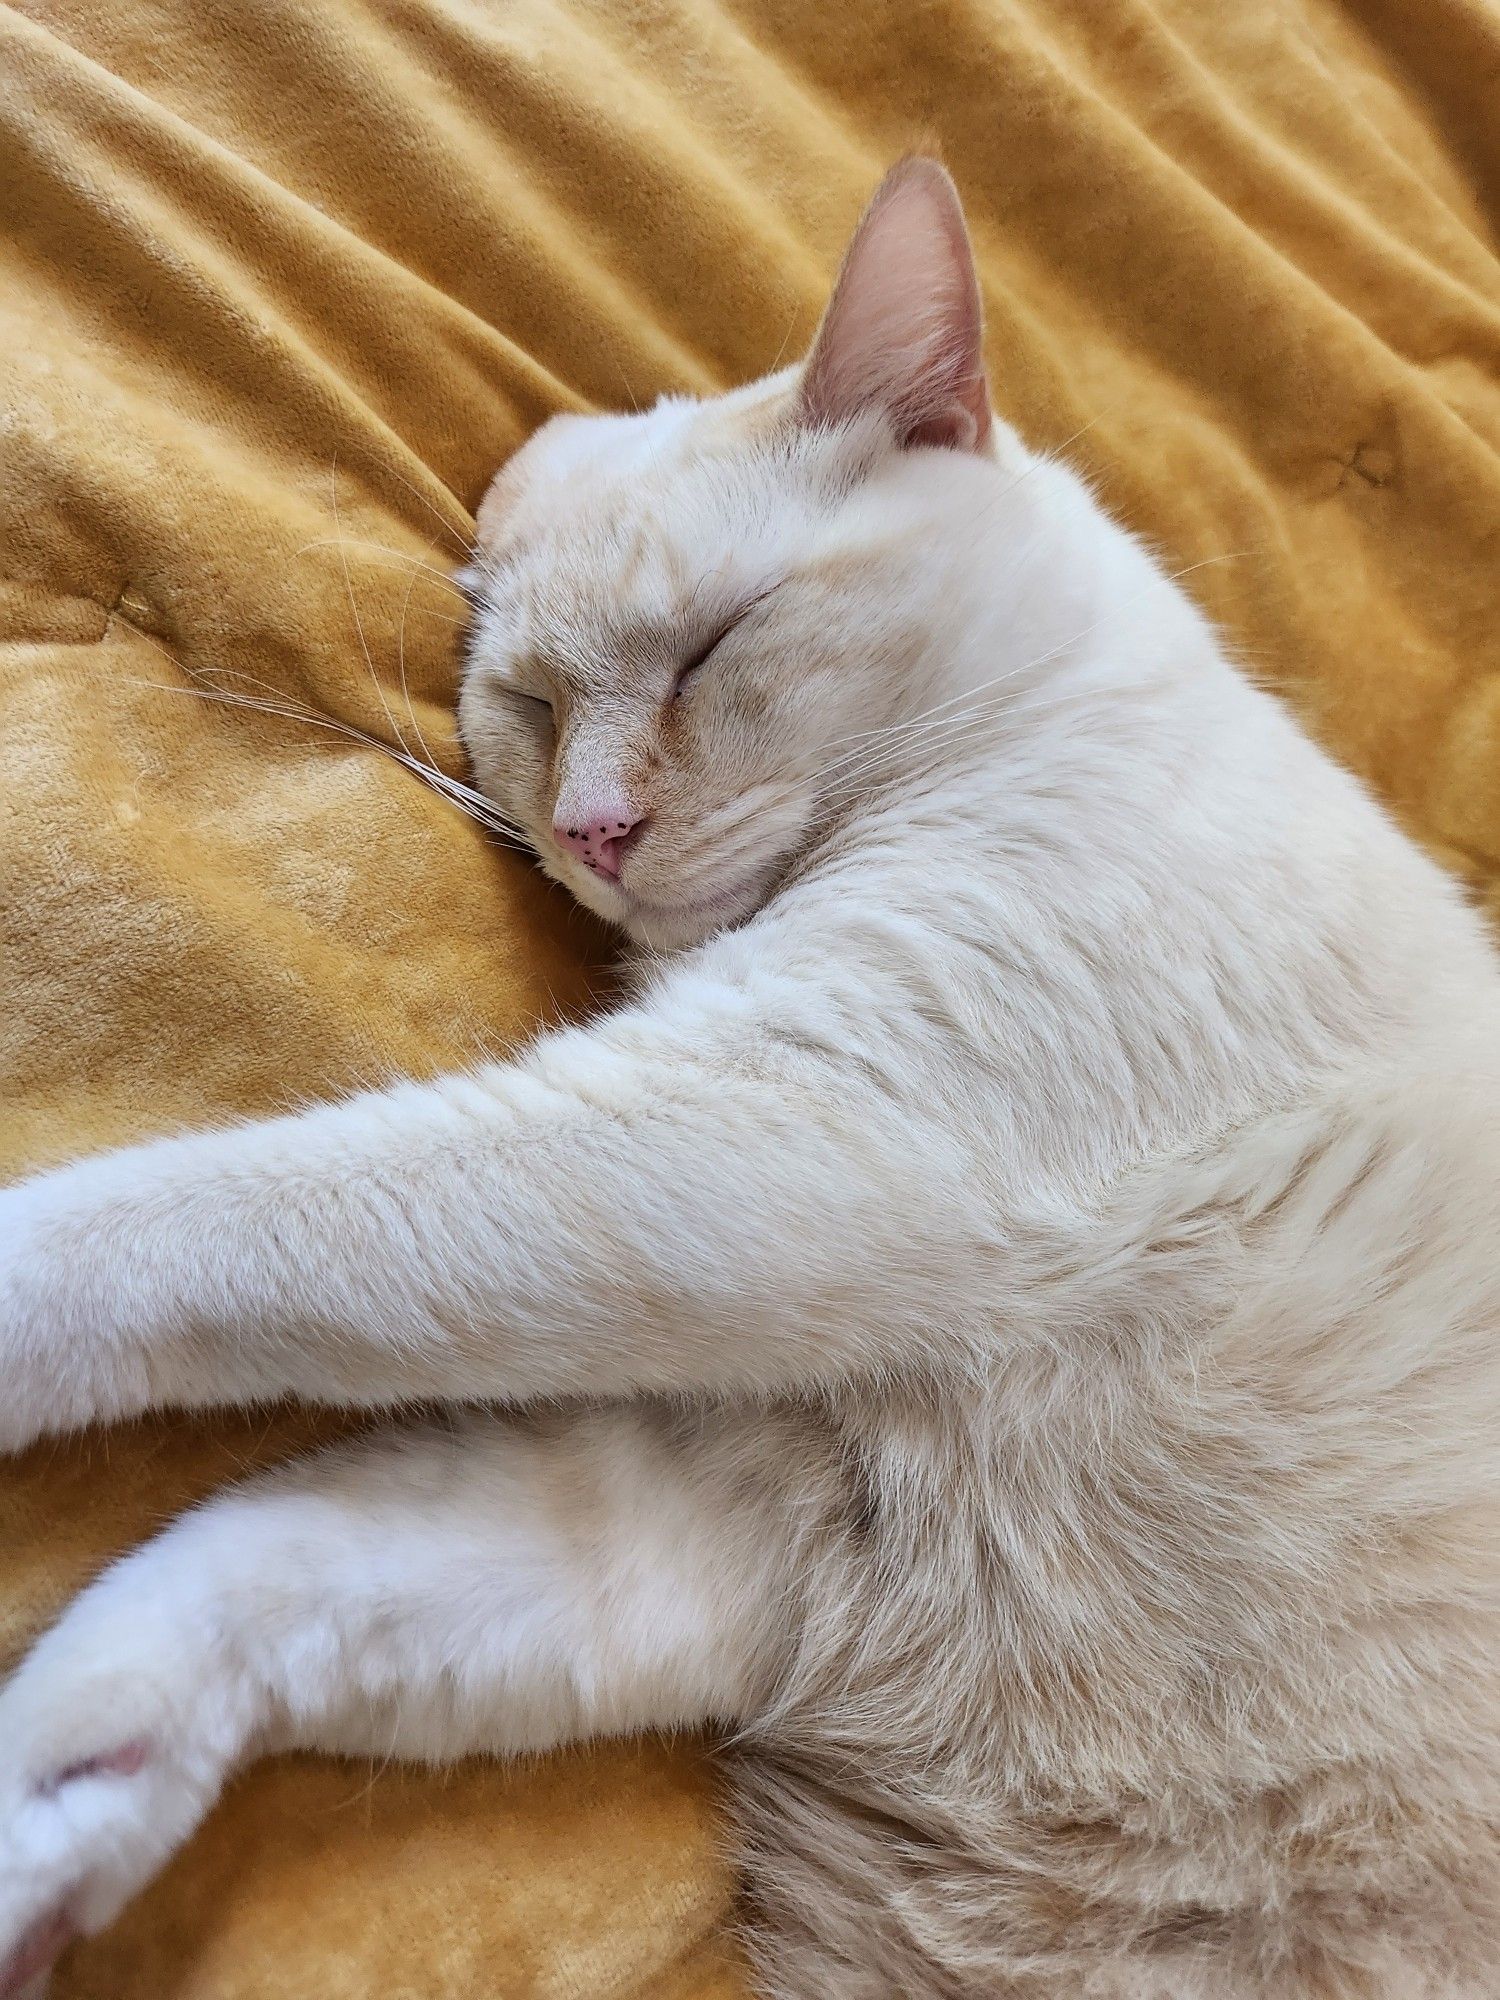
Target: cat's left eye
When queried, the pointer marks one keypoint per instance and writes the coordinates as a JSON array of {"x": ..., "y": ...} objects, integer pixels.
[{"x": 688, "y": 673}]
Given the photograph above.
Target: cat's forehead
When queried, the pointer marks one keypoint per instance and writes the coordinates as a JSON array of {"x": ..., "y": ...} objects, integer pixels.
[
  {"x": 660, "y": 475},
  {"x": 676, "y": 431},
  {"x": 610, "y": 450},
  {"x": 620, "y": 520}
]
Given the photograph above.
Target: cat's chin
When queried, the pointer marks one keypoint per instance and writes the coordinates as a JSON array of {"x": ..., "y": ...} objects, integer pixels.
[
  {"x": 675, "y": 926},
  {"x": 678, "y": 926}
]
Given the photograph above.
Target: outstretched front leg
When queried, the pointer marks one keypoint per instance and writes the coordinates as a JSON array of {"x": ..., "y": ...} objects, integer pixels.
[
  {"x": 495, "y": 1586},
  {"x": 676, "y": 1199}
]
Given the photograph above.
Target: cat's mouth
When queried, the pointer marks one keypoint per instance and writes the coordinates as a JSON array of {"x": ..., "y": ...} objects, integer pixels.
[
  {"x": 721, "y": 902},
  {"x": 656, "y": 916},
  {"x": 701, "y": 914}
]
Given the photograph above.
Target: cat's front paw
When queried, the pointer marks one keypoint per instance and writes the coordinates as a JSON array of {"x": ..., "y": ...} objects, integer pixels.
[
  {"x": 104, "y": 1770},
  {"x": 78, "y": 1839}
]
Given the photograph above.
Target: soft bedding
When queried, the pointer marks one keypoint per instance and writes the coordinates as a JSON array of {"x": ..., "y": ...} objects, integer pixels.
[{"x": 283, "y": 282}]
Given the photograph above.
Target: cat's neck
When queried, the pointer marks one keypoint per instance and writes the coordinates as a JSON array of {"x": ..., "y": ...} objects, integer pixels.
[{"x": 1020, "y": 686}]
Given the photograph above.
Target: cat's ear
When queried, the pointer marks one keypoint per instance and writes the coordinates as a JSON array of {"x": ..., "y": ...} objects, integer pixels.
[{"x": 903, "y": 332}]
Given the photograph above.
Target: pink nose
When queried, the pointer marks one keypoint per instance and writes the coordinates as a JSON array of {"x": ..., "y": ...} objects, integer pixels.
[{"x": 600, "y": 840}]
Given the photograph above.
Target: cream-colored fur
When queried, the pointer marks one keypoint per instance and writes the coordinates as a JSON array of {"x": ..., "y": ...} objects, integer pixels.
[{"x": 1004, "y": 1318}]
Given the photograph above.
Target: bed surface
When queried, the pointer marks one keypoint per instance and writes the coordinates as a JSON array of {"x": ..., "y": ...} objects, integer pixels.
[{"x": 283, "y": 284}]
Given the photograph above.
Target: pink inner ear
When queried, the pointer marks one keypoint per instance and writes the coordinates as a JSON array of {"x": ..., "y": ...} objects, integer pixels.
[
  {"x": 955, "y": 428},
  {"x": 904, "y": 330}
]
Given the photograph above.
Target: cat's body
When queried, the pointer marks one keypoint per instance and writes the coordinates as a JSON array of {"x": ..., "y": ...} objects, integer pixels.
[{"x": 1011, "y": 1321}]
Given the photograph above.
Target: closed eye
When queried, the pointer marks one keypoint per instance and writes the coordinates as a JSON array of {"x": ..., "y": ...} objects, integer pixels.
[
  {"x": 689, "y": 670},
  {"x": 699, "y": 660},
  {"x": 537, "y": 703}
]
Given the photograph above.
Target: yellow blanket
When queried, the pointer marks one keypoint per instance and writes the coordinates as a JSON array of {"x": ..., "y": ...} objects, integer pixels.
[{"x": 285, "y": 281}]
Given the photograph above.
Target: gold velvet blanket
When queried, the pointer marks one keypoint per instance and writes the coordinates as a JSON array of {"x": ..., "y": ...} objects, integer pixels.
[{"x": 283, "y": 282}]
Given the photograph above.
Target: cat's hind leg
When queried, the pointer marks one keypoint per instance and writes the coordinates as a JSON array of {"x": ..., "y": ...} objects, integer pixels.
[{"x": 492, "y": 1585}]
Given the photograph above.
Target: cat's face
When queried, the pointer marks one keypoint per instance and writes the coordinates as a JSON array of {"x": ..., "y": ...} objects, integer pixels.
[{"x": 688, "y": 619}]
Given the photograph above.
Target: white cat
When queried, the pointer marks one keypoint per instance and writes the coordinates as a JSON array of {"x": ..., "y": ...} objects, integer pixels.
[{"x": 1005, "y": 1320}]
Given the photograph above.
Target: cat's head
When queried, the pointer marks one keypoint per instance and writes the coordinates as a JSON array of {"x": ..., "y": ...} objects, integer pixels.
[{"x": 689, "y": 618}]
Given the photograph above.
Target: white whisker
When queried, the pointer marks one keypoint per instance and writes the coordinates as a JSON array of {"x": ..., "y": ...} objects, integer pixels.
[
  {"x": 411, "y": 712},
  {"x": 333, "y": 481},
  {"x": 343, "y": 542},
  {"x": 492, "y": 821},
  {"x": 288, "y": 708},
  {"x": 882, "y": 748},
  {"x": 465, "y": 541}
]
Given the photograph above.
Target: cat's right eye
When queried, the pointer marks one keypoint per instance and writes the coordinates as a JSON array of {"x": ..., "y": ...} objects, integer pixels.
[{"x": 536, "y": 704}]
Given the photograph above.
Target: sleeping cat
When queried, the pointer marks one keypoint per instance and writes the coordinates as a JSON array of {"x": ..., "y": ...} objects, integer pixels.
[{"x": 1003, "y": 1322}]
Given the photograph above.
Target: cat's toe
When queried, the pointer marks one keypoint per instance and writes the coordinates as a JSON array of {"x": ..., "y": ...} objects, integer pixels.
[
  {"x": 24, "y": 1974},
  {"x": 80, "y": 1834}
]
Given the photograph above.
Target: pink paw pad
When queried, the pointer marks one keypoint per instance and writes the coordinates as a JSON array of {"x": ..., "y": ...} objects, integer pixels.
[{"x": 122, "y": 1763}]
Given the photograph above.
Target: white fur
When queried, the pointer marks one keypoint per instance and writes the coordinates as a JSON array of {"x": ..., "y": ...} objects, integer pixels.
[{"x": 1029, "y": 1261}]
